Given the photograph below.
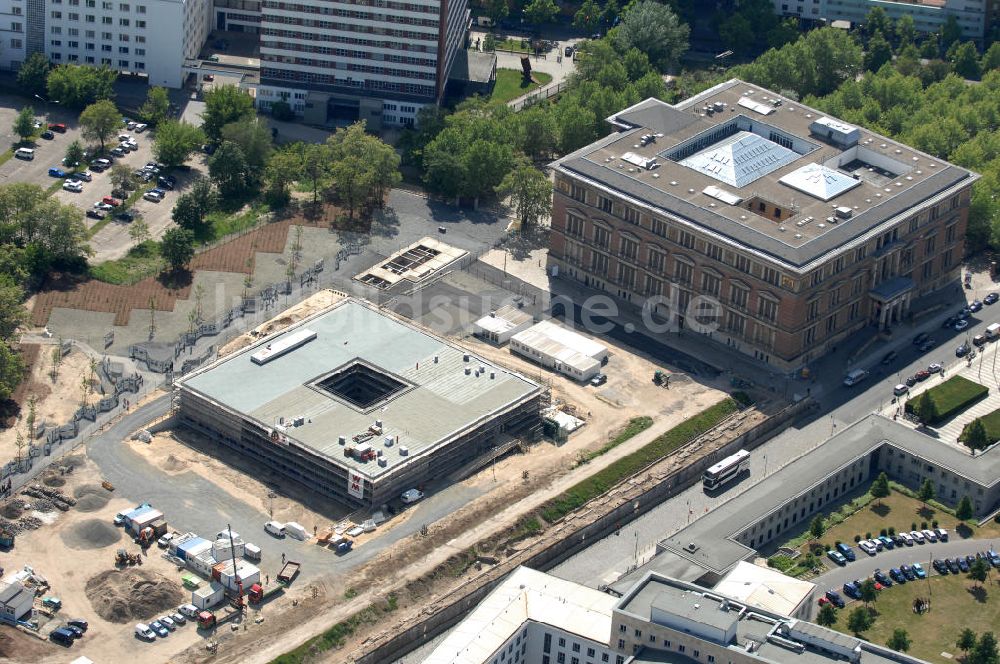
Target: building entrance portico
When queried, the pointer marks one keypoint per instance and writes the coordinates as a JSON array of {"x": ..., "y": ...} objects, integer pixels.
[{"x": 891, "y": 301}]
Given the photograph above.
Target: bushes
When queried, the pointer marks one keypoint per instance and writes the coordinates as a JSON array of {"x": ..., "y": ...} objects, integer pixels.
[
  {"x": 951, "y": 397},
  {"x": 582, "y": 492}
]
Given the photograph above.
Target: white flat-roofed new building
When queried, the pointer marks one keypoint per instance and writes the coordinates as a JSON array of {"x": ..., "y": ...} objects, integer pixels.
[
  {"x": 144, "y": 37},
  {"x": 767, "y": 589},
  {"x": 377, "y": 62},
  {"x": 12, "y": 34},
  {"x": 500, "y": 325},
  {"x": 562, "y": 349}
]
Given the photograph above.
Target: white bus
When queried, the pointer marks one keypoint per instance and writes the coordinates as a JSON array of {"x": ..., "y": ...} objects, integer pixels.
[{"x": 726, "y": 470}]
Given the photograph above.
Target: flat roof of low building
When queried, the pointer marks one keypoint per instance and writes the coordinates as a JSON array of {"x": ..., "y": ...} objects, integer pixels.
[
  {"x": 414, "y": 263},
  {"x": 764, "y": 588},
  {"x": 715, "y": 550},
  {"x": 504, "y": 319},
  {"x": 365, "y": 364},
  {"x": 569, "y": 347},
  {"x": 526, "y": 595},
  {"x": 754, "y": 146}
]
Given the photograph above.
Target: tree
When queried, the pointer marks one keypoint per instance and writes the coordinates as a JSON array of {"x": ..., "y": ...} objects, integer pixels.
[
  {"x": 224, "y": 105},
  {"x": 827, "y": 615},
  {"x": 966, "y": 641},
  {"x": 737, "y": 33},
  {"x": 899, "y": 641},
  {"x": 122, "y": 178},
  {"x": 540, "y": 12},
  {"x": 530, "y": 193},
  {"x": 877, "y": 22},
  {"x": 611, "y": 12},
  {"x": 926, "y": 492},
  {"x": 74, "y": 154},
  {"x": 11, "y": 370},
  {"x": 817, "y": 527},
  {"x": 496, "y": 11},
  {"x": 156, "y": 107},
  {"x": 12, "y": 312},
  {"x": 229, "y": 170},
  {"x": 965, "y": 60},
  {"x": 951, "y": 32},
  {"x": 100, "y": 121},
  {"x": 985, "y": 650},
  {"x": 24, "y": 123},
  {"x": 588, "y": 17},
  {"x": 315, "y": 166},
  {"x": 906, "y": 30},
  {"x": 138, "y": 231},
  {"x": 283, "y": 168},
  {"x": 979, "y": 570},
  {"x": 282, "y": 110},
  {"x": 879, "y": 52},
  {"x": 975, "y": 436},
  {"x": 175, "y": 141},
  {"x": 177, "y": 247},
  {"x": 76, "y": 86},
  {"x": 926, "y": 409},
  {"x": 363, "y": 168},
  {"x": 991, "y": 58},
  {"x": 931, "y": 47},
  {"x": 880, "y": 487},
  {"x": 537, "y": 129},
  {"x": 254, "y": 138},
  {"x": 859, "y": 620},
  {"x": 654, "y": 29},
  {"x": 32, "y": 75},
  {"x": 868, "y": 592},
  {"x": 964, "y": 510},
  {"x": 575, "y": 126},
  {"x": 193, "y": 206}
]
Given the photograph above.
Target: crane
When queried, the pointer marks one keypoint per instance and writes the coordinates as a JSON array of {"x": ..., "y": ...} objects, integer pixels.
[{"x": 238, "y": 602}]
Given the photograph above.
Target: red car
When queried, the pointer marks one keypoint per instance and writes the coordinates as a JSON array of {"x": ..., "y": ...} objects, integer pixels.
[
  {"x": 923, "y": 374},
  {"x": 823, "y": 600},
  {"x": 60, "y": 127},
  {"x": 111, "y": 200}
]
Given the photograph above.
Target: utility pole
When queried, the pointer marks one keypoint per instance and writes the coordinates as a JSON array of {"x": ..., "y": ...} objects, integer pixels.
[{"x": 152, "y": 317}]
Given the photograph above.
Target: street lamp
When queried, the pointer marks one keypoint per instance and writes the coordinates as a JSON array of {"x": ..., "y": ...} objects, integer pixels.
[{"x": 46, "y": 102}]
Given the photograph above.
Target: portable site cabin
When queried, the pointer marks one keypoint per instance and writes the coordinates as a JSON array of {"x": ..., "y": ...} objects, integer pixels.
[
  {"x": 16, "y": 601},
  {"x": 202, "y": 563},
  {"x": 144, "y": 517},
  {"x": 192, "y": 548},
  {"x": 208, "y": 596},
  {"x": 500, "y": 325},
  {"x": 223, "y": 550},
  {"x": 561, "y": 349},
  {"x": 249, "y": 574}
]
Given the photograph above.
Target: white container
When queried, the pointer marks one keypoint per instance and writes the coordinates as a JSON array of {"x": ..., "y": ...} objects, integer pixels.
[
  {"x": 207, "y": 596},
  {"x": 251, "y": 552}
]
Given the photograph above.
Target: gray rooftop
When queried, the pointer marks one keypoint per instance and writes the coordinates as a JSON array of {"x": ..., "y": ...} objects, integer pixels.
[
  {"x": 711, "y": 533},
  {"x": 894, "y": 179},
  {"x": 680, "y": 598},
  {"x": 438, "y": 401}
]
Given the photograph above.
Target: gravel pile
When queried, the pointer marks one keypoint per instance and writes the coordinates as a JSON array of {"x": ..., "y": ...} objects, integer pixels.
[
  {"x": 90, "y": 534},
  {"x": 123, "y": 596},
  {"x": 54, "y": 480},
  {"x": 91, "y": 498}
]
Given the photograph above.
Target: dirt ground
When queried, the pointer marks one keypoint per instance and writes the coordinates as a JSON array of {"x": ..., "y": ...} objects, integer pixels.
[
  {"x": 57, "y": 400},
  {"x": 303, "y": 309}
]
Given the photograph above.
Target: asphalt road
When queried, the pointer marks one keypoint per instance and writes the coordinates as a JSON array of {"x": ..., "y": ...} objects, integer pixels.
[
  {"x": 192, "y": 503},
  {"x": 607, "y": 559}
]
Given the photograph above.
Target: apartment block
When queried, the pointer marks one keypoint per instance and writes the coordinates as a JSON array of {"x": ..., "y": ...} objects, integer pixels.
[
  {"x": 13, "y": 35},
  {"x": 764, "y": 225}
]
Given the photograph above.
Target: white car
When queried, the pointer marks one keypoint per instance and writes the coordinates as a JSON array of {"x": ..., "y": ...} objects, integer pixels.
[
  {"x": 900, "y": 390},
  {"x": 165, "y": 540},
  {"x": 73, "y": 185},
  {"x": 188, "y": 610},
  {"x": 224, "y": 534},
  {"x": 167, "y": 622},
  {"x": 411, "y": 496},
  {"x": 907, "y": 539},
  {"x": 152, "y": 196},
  {"x": 929, "y": 535},
  {"x": 101, "y": 205},
  {"x": 868, "y": 547},
  {"x": 124, "y": 137},
  {"x": 942, "y": 534},
  {"x": 141, "y": 127},
  {"x": 85, "y": 176},
  {"x": 143, "y": 631},
  {"x": 917, "y": 537}
]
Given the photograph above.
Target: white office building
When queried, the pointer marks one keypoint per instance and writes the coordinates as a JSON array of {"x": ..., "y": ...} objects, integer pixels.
[
  {"x": 561, "y": 349},
  {"x": 928, "y": 15},
  {"x": 12, "y": 34},
  {"x": 151, "y": 38},
  {"x": 342, "y": 61}
]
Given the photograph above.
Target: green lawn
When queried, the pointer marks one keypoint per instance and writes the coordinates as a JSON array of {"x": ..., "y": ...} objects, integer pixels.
[
  {"x": 140, "y": 262},
  {"x": 509, "y": 44},
  {"x": 955, "y": 604},
  {"x": 635, "y": 426},
  {"x": 992, "y": 424},
  {"x": 951, "y": 397},
  {"x": 510, "y": 84}
]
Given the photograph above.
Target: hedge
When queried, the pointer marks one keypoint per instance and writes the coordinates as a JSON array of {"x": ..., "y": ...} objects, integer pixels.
[
  {"x": 603, "y": 480},
  {"x": 951, "y": 397}
]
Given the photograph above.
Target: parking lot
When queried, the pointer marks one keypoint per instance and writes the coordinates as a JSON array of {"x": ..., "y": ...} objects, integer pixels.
[{"x": 48, "y": 153}]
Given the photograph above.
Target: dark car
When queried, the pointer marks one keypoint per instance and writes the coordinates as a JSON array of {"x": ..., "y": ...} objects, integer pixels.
[
  {"x": 927, "y": 345},
  {"x": 962, "y": 564},
  {"x": 963, "y": 350},
  {"x": 908, "y": 572},
  {"x": 898, "y": 540},
  {"x": 882, "y": 578},
  {"x": 952, "y": 565},
  {"x": 975, "y": 306},
  {"x": 970, "y": 560},
  {"x": 79, "y": 623},
  {"x": 889, "y": 357},
  {"x": 846, "y": 551},
  {"x": 94, "y": 213},
  {"x": 939, "y": 566},
  {"x": 964, "y": 313},
  {"x": 920, "y": 338},
  {"x": 979, "y": 340},
  {"x": 165, "y": 183},
  {"x": 852, "y": 590},
  {"x": 48, "y": 135},
  {"x": 125, "y": 216},
  {"x": 835, "y": 597},
  {"x": 949, "y": 322},
  {"x": 991, "y": 298},
  {"x": 63, "y": 636},
  {"x": 77, "y": 632},
  {"x": 897, "y": 575},
  {"x": 910, "y": 382}
]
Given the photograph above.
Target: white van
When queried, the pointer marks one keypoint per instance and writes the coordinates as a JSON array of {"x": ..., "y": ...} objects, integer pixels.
[
  {"x": 275, "y": 528},
  {"x": 993, "y": 331},
  {"x": 144, "y": 632},
  {"x": 24, "y": 153},
  {"x": 855, "y": 377}
]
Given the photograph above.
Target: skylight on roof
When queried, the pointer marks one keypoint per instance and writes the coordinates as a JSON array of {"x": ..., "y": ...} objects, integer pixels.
[
  {"x": 819, "y": 181},
  {"x": 740, "y": 159},
  {"x": 756, "y": 106}
]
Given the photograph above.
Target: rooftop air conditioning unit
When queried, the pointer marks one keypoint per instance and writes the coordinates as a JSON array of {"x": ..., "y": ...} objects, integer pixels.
[{"x": 844, "y": 212}]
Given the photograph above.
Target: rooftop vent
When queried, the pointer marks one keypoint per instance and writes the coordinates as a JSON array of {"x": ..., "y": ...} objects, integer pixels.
[
  {"x": 838, "y": 133},
  {"x": 691, "y": 548},
  {"x": 844, "y": 212}
]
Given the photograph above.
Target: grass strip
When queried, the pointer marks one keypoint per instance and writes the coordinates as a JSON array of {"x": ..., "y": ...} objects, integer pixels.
[
  {"x": 336, "y": 636},
  {"x": 635, "y": 426}
]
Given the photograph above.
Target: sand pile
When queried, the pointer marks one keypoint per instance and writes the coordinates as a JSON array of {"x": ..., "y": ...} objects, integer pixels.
[
  {"x": 91, "y": 498},
  {"x": 12, "y": 510},
  {"x": 122, "y": 596},
  {"x": 90, "y": 534},
  {"x": 53, "y": 480},
  {"x": 173, "y": 464}
]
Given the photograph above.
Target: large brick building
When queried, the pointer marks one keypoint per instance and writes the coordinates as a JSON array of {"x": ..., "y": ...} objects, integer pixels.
[{"x": 801, "y": 229}]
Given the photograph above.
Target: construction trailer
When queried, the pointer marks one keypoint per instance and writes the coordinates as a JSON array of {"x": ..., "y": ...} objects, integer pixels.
[
  {"x": 424, "y": 407},
  {"x": 208, "y": 595},
  {"x": 561, "y": 349},
  {"x": 137, "y": 520},
  {"x": 500, "y": 325},
  {"x": 248, "y": 574},
  {"x": 203, "y": 562},
  {"x": 192, "y": 548},
  {"x": 16, "y": 601},
  {"x": 224, "y": 549}
]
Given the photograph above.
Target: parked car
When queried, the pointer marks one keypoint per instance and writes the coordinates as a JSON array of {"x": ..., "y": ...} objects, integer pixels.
[
  {"x": 939, "y": 566},
  {"x": 125, "y": 215},
  {"x": 159, "y": 628},
  {"x": 920, "y": 338},
  {"x": 922, "y": 375},
  {"x": 907, "y": 540},
  {"x": 846, "y": 551},
  {"x": 164, "y": 541},
  {"x": 908, "y": 572},
  {"x": 952, "y": 565},
  {"x": 835, "y": 599},
  {"x": 140, "y": 127},
  {"x": 942, "y": 534},
  {"x": 178, "y": 618},
  {"x": 411, "y": 496},
  {"x": 48, "y": 135},
  {"x": 991, "y": 298},
  {"x": 900, "y": 390},
  {"x": 963, "y": 565},
  {"x": 162, "y": 181},
  {"x": 917, "y": 537},
  {"x": 58, "y": 126},
  {"x": 964, "y": 313},
  {"x": 882, "y": 578},
  {"x": 867, "y": 547},
  {"x": 979, "y": 340},
  {"x": 929, "y": 535},
  {"x": 823, "y": 600},
  {"x": 598, "y": 380},
  {"x": 836, "y": 557},
  {"x": 949, "y": 322},
  {"x": 887, "y": 542},
  {"x": 994, "y": 557},
  {"x": 73, "y": 185},
  {"x": 975, "y": 306},
  {"x": 188, "y": 610},
  {"x": 143, "y": 631},
  {"x": 911, "y": 381},
  {"x": 86, "y": 176},
  {"x": 63, "y": 636},
  {"x": 51, "y": 602},
  {"x": 889, "y": 357},
  {"x": 118, "y": 152},
  {"x": 896, "y": 575},
  {"x": 897, "y": 539},
  {"x": 971, "y": 560},
  {"x": 152, "y": 196},
  {"x": 57, "y": 172},
  {"x": 852, "y": 590},
  {"x": 927, "y": 345},
  {"x": 962, "y": 350},
  {"x": 77, "y": 632},
  {"x": 961, "y": 325},
  {"x": 119, "y": 518},
  {"x": 111, "y": 200},
  {"x": 167, "y": 622}
]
